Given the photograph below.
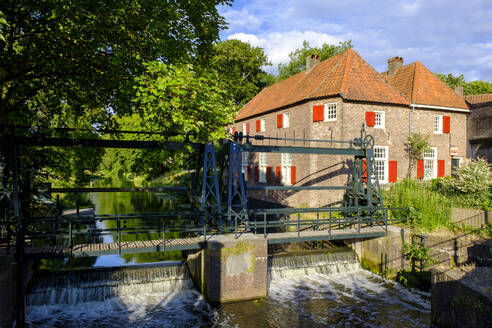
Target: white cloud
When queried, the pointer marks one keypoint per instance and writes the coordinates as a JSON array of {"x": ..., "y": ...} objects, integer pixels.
[
  {"x": 278, "y": 45},
  {"x": 241, "y": 20}
]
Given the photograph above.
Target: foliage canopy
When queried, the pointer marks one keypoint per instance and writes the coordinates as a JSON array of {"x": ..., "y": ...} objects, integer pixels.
[{"x": 239, "y": 65}]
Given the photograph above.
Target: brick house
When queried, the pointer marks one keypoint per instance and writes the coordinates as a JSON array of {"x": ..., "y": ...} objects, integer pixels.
[
  {"x": 480, "y": 126},
  {"x": 331, "y": 100}
]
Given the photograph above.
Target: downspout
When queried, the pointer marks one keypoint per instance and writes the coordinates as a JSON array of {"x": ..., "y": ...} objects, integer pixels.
[{"x": 409, "y": 135}]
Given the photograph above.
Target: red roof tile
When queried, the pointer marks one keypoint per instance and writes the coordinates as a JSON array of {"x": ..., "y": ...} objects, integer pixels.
[
  {"x": 346, "y": 74},
  {"x": 420, "y": 86},
  {"x": 479, "y": 99}
]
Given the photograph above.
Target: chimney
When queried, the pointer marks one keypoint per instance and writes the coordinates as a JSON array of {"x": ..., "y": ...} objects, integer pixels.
[
  {"x": 394, "y": 64},
  {"x": 459, "y": 90},
  {"x": 311, "y": 62}
]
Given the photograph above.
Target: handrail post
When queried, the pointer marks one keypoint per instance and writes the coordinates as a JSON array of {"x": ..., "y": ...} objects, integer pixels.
[
  {"x": 118, "y": 225},
  {"x": 264, "y": 225},
  {"x": 329, "y": 224},
  {"x": 71, "y": 236},
  {"x": 298, "y": 225},
  {"x": 163, "y": 227},
  {"x": 317, "y": 219}
]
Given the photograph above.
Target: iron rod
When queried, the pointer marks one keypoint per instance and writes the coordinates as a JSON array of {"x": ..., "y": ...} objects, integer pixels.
[{"x": 261, "y": 137}]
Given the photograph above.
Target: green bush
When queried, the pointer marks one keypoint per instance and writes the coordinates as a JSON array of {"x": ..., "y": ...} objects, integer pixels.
[{"x": 471, "y": 186}]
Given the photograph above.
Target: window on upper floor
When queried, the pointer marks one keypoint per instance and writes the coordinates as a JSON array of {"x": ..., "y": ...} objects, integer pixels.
[
  {"x": 331, "y": 112},
  {"x": 286, "y": 120},
  {"x": 437, "y": 124},
  {"x": 262, "y": 125},
  {"x": 379, "y": 120}
]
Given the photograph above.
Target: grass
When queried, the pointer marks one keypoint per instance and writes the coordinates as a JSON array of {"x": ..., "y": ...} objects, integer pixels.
[{"x": 428, "y": 209}]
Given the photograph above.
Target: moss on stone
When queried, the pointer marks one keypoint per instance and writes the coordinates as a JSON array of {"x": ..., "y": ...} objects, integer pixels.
[{"x": 240, "y": 248}]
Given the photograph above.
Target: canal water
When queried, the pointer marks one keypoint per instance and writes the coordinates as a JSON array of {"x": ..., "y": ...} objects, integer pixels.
[{"x": 322, "y": 289}]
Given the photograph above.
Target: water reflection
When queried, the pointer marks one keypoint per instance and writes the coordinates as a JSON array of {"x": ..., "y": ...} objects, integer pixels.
[{"x": 128, "y": 203}]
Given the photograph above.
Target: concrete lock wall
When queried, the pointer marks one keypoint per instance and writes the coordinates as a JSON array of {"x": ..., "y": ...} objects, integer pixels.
[
  {"x": 462, "y": 299},
  {"x": 231, "y": 269}
]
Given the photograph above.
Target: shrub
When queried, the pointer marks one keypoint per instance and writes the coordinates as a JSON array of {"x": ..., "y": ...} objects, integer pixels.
[
  {"x": 471, "y": 187},
  {"x": 472, "y": 177}
]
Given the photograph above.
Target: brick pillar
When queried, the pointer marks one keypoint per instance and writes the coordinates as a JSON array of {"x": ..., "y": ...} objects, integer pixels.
[{"x": 233, "y": 269}]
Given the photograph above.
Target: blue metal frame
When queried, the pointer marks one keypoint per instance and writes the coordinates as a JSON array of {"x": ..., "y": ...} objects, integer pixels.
[
  {"x": 210, "y": 200},
  {"x": 237, "y": 190}
]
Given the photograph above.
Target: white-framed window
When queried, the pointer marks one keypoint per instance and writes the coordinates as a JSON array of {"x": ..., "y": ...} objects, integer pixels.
[
  {"x": 331, "y": 112},
  {"x": 379, "y": 120},
  {"x": 286, "y": 168},
  {"x": 244, "y": 164},
  {"x": 262, "y": 125},
  {"x": 245, "y": 128},
  {"x": 263, "y": 166},
  {"x": 437, "y": 124},
  {"x": 381, "y": 161},
  {"x": 285, "y": 120},
  {"x": 430, "y": 163}
]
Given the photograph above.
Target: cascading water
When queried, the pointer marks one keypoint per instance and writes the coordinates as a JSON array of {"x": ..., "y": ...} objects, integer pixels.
[
  {"x": 316, "y": 289},
  {"x": 102, "y": 284},
  {"x": 154, "y": 295},
  {"x": 286, "y": 266}
]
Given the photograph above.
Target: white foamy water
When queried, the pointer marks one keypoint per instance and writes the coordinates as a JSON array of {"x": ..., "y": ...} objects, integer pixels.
[{"x": 313, "y": 290}]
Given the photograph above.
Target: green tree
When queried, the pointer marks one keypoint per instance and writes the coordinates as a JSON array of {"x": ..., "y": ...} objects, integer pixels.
[
  {"x": 3, "y": 23},
  {"x": 87, "y": 54},
  {"x": 240, "y": 67},
  {"x": 417, "y": 145},
  {"x": 297, "y": 58},
  {"x": 469, "y": 88},
  {"x": 73, "y": 64},
  {"x": 176, "y": 100}
]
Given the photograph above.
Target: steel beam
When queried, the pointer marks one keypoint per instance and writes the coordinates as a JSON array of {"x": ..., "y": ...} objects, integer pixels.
[
  {"x": 298, "y": 188},
  {"x": 302, "y": 150}
]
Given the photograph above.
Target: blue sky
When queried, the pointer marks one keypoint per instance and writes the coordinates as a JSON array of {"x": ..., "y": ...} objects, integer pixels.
[{"x": 447, "y": 36}]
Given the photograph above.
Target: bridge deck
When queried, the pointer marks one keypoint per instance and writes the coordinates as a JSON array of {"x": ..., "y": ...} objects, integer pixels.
[{"x": 143, "y": 246}]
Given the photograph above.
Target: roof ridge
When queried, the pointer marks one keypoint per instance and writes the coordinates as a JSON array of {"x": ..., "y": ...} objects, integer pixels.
[
  {"x": 327, "y": 75},
  {"x": 414, "y": 89},
  {"x": 344, "y": 76}
]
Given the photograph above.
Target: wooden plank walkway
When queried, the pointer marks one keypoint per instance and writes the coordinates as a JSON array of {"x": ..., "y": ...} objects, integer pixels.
[{"x": 144, "y": 246}]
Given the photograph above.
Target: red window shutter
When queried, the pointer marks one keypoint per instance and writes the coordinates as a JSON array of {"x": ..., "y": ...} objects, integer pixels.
[
  {"x": 440, "y": 168},
  {"x": 249, "y": 172},
  {"x": 364, "y": 170},
  {"x": 268, "y": 173},
  {"x": 233, "y": 130},
  {"x": 446, "y": 124},
  {"x": 257, "y": 173},
  {"x": 318, "y": 113},
  {"x": 278, "y": 174},
  {"x": 370, "y": 118},
  {"x": 420, "y": 169},
  {"x": 292, "y": 174},
  {"x": 247, "y": 128},
  {"x": 393, "y": 171},
  {"x": 280, "y": 121},
  {"x": 258, "y": 126}
]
